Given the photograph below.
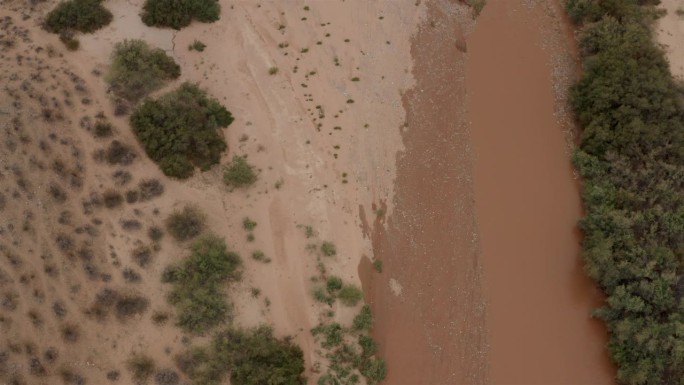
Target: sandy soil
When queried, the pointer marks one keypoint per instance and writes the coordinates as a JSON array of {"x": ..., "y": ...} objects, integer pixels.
[
  {"x": 328, "y": 142},
  {"x": 670, "y": 35}
]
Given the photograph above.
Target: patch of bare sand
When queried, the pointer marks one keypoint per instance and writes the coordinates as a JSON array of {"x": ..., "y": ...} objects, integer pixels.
[
  {"x": 670, "y": 35},
  {"x": 324, "y": 144}
]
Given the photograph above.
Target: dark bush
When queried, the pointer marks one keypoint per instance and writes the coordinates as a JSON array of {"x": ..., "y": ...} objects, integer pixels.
[
  {"x": 129, "y": 305},
  {"x": 103, "y": 129},
  {"x": 186, "y": 224},
  {"x": 141, "y": 367},
  {"x": 130, "y": 275},
  {"x": 150, "y": 188},
  {"x": 155, "y": 233},
  {"x": 177, "y": 14},
  {"x": 142, "y": 256},
  {"x": 167, "y": 377},
  {"x": 239, "y": 173},
  {"x": 138, "y": 69},
  {"x": 70, "y": 333},
  {"x": 631, "y": 156},
  {"x": 78, "y": 15},
  {"x": 180, "y": 130},
  {"x": 119, "y": 153},
  {"x": 132, "y": 196},
  {"x": 112, "y": 199},
  {"x": 198, "y": 284}
]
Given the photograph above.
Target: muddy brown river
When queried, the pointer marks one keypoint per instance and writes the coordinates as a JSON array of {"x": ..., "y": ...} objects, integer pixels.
[{"x": 527, "y": 206}]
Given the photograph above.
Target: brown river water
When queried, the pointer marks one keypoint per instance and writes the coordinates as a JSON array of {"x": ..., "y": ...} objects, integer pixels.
[
  {"x": 527, "y": 205},
  {"x": 482, "y": 281}
]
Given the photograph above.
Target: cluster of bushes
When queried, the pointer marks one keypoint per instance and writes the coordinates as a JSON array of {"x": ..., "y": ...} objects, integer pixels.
[
  {"x": 350, "y": 352},
  {"x": 335, "y": 288},
  {"x": 138, "y": 69},
  {"x": 177, "y": 14},
  {"x": 180, "y": 130},
  {"x": 77, "y": 15},
  {"x": 252, "y": 357},
  {"x": 198, "y": 281},
  {"x": 631, "y": 157}
]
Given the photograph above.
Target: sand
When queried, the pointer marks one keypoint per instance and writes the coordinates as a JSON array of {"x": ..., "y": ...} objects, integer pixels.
[
  {"x": 670, "y": 34},
  {"x": 324, "y": 145}
]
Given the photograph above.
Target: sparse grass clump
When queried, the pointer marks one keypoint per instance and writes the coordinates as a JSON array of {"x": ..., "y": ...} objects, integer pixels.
[
  {"x": 273, "y": 70},
  {"x": 248, "y": 224},
  {"x": 197, "y": 284},
  {"x": 239, "y": 173},
  {"x": 78, "y": 15},
  {"x": 197, "y": 46},
  {"x": 138, "y": 69},
  {"x": 177, "y": 14},
  {"x": 186, "y": 224},
  {"x": 180, "y": 130},
  {"x": 328, "y": 249}
]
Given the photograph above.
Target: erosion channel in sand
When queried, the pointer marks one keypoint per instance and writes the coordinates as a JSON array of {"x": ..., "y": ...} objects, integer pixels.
[{"x": 527, "y": 202}]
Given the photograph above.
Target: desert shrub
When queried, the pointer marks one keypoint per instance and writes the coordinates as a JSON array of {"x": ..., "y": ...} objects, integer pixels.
[
  {"x": 248, "y": 224},
  {"x": 250, "y": 357},
  {"x": 131, "y": 224},
  {"x": 132, "y": 196},
  {"x": 180, "y": 130},
  {"x": 130, "y": 275},
  {"x": 121, "y": 177},
  {"x": 70, "y": 333},
  {"x": 350, "y": 295},
  {"x": 57, "y": 192},
  {"x": 160, "y": 317},
  {"x": 138, "y": 69},
  {"x": 141, "y": 367},
  {"x": 112, "y": 199},
  {"x": 328, "y": 249},
  {"x": 142, "y": 256},
  {"x": 197, "y": 46},
  {"x": 177, "y": 14},
  {"x": 130, "y": 305},
  {"x": 259, "y": 255},
  {"x": 69, "y": 377},
  {"x": 78, "y": 15},
  {"x": 333, "y": 284},
  {"x": 155, "y": 233},
  {"x": 69, "y": 41},
  {"x": 103, "y": 129},
  {"x": 631, "y": 156},
  {"x": 166, "y": 377},
  {"x": 113, "y": 375},
  {"x": 239, "y": 173},
  {"x": 377, "y": 264},
  {"x": 374, "y": 369},
  {"x": 197, "y": 284},
  {"x": 363, "y": 320},
  {"x": 186, "y": 224},
  {"x": 119, "y": 153},
  {"x": 332, "y": 334},
  {"x": 150, "y": 188}
]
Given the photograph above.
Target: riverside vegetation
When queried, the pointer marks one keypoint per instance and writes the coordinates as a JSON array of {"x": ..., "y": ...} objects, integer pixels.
[{"x": 631, "y": 156}]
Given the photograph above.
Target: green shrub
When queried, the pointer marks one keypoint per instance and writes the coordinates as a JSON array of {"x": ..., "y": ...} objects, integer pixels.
[
  {"x": 259, "y": 255},
  {"x": 350, "y": 295},
  {"x": 177, "y": 14},
  {"x": 197, "y": 46},
  {"x": 377, "y": 264},
  {"x": 198, "y": 284},
  {"x": 363, "y": 320},
  {"x": 70, "y": 42},
  {"x": 78, "y": 15},
  {"x": 138, "y": 69},
  {"x": 239, "y": 173},
  {"x": 333, "y": 334},
  {"x": 328, "y": 249},
  {"x": 631, "y": 156},
  {"x": 374, "y": 369},
  {"x": 186, "y": 224},
  {"x": 333, "y": 284},
  {"x": 251, "y": 357},
  {"x": 248, "y": 224},
  {"x": 180, "y": 130}
]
